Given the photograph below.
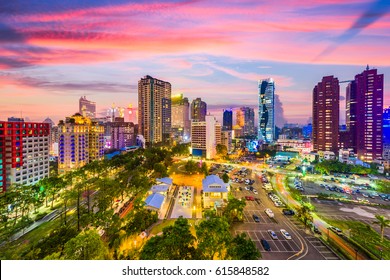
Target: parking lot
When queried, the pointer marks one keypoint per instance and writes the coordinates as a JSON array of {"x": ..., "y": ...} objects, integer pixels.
[
  {"x": 264, "y": 219},
  {"x": 280, "y": 245}
]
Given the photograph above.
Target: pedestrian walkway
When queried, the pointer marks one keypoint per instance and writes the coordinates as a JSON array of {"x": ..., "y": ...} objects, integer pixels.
[{"x": 183, "y": 203}]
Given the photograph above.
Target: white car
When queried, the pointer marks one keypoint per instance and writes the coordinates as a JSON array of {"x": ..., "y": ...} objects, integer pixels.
[
  {"x": 269, "y": 212},
  {"x": 255, "y": 192},
  {"x": 273, "y": 234},
  {"x": 285, "y": 234}
]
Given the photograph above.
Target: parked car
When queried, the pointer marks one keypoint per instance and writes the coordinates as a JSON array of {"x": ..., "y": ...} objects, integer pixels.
[
  {"x": 288, "y": 212},
  {"x": 265, "y": 244},
  {"x": 255, "y": 192},
  {"x": 256, "y": 218},
  {"x": 269, "y": 213},
  {"x": 251, "y": 198},
  {"x": 316, "y": 230},
  {"x": 336, "y": 230},
  {"x": 285, "y": 234},
  {"x": 273, "y": 234}
]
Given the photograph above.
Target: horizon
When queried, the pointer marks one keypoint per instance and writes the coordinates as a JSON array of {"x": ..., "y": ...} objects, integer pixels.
[{"x": 51, "y": 53}]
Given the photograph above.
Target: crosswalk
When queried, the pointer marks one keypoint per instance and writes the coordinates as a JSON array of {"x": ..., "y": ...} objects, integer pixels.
[{"x": 321, "y": 248}]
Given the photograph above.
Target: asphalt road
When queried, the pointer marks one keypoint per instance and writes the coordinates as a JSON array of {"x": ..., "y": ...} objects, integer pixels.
[
  {"x": 348, "y": 212},
  {"x": 302, "y": 245}
]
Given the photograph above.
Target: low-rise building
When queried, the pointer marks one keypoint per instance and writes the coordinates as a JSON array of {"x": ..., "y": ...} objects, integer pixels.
[{"x": 215, "y": 192}]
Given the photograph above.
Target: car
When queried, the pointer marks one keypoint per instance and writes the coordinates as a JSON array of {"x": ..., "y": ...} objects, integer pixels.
[
  {"x": 256, "y": 218},
  {"x": 269, "y": 212},
  {"x": 273, "y": 234},
  {"x": 279, "y": 204},
  {"x": 288, "y": 212},
  {"x": 246, "y": 188},
  {"x": 251, "y": 198},
  {"x": 255, "y": 192},
  {"x": 316, "y": 230},
  {"x": 285, "y": 234},
  {"x": 258, "y": 201},
  {"x": 337, "y": 230},
  {"x": 265, "y": 244}
]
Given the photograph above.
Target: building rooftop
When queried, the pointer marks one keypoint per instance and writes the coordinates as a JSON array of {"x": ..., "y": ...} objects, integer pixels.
[
  {"x": 165, "y": 180},
  {"x": 159, "y": 188},
  {"x": 213, "y": 183},
  {"x": 155, "y": 200}
]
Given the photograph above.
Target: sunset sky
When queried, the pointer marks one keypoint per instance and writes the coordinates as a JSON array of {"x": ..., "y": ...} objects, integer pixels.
[{"x": 53, "y": 52}]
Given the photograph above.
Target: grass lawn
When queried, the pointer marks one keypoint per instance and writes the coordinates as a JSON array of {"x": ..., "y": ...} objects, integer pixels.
[
  {"x": 365, "y": 236},
  {"x": 16, "y": 249}
]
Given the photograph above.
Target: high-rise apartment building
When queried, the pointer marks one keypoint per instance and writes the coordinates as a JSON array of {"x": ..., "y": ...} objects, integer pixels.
[
  {"x": 226, "y": 139},
  {"x": 154, "y": 110},
  {"x": 24, "y": 152},
  {"x": 249, "y": 121},
  {"x": 205, "y": 136},
  {"x": 198, "y": 110},
  {"x": 181, "y": 124},
  {"x": 122, "y": 134},
  {"x": 365, "y": 114},
  {"x": 326, "y": 96},
  {"x": 81, "y": 141},
  {"x": 227, "y": 119},
  {"x": 87, "y": 108},
  {"x": 266, "y": 128}
]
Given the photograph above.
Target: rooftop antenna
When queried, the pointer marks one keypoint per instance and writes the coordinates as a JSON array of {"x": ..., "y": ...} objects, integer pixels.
[{"x": 368, "y": 68}]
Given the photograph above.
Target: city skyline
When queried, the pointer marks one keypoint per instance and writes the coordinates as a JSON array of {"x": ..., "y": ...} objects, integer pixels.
[{"x": 47, "y": 59}]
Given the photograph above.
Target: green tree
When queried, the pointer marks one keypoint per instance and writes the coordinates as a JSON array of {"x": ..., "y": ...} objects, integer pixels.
[
  {"x": 225, "y": 178},
  {"x": 234, "y": 210},
  {"x": 221, "y": 150},
  {"x": 213, "y": 238},
  {"x": 303, "y": 213},
  {"x": 160, "y": 170},
  {"x": 191, "y": 166},
  {"x": 383, "y": 223},
  {"x": 243, "y": 248},
  {"x": 176, "y": 243},
  {"x": 87, "y": 245}
]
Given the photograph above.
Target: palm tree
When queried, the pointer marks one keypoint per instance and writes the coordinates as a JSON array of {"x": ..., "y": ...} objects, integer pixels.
[
  {"x": 383, "y": 223},
  {"x": 304, "y": 213}
]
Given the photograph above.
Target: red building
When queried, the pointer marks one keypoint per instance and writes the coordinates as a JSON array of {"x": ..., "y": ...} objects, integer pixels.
[
  {"x": 326, "y": 96},
  {"x": 24, "y": 152}
]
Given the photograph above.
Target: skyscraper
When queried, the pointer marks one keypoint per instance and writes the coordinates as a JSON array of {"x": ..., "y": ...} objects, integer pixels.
[
  {"x": 326, "y": 96},
  {"x": 386, "y": 125},
  {"x": 205, "y": 136},
  {"x": 81, "y": 141},
  {"x": 87, "y": 108},
  {"x": 154, "y": 110},
  {"x": 266, "y": 126},
  {"x": 227, "y": 119},
  {"x": 198, "y": 110},
  {"x": 246, "y": 119},
  {"x": 24, "y": 152},
  {"x": 386, "y": 133},
  {"x": 364, "y": 114},
  {"x": 181, "y": 124},
  {"x": 122, "y": 134}
]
